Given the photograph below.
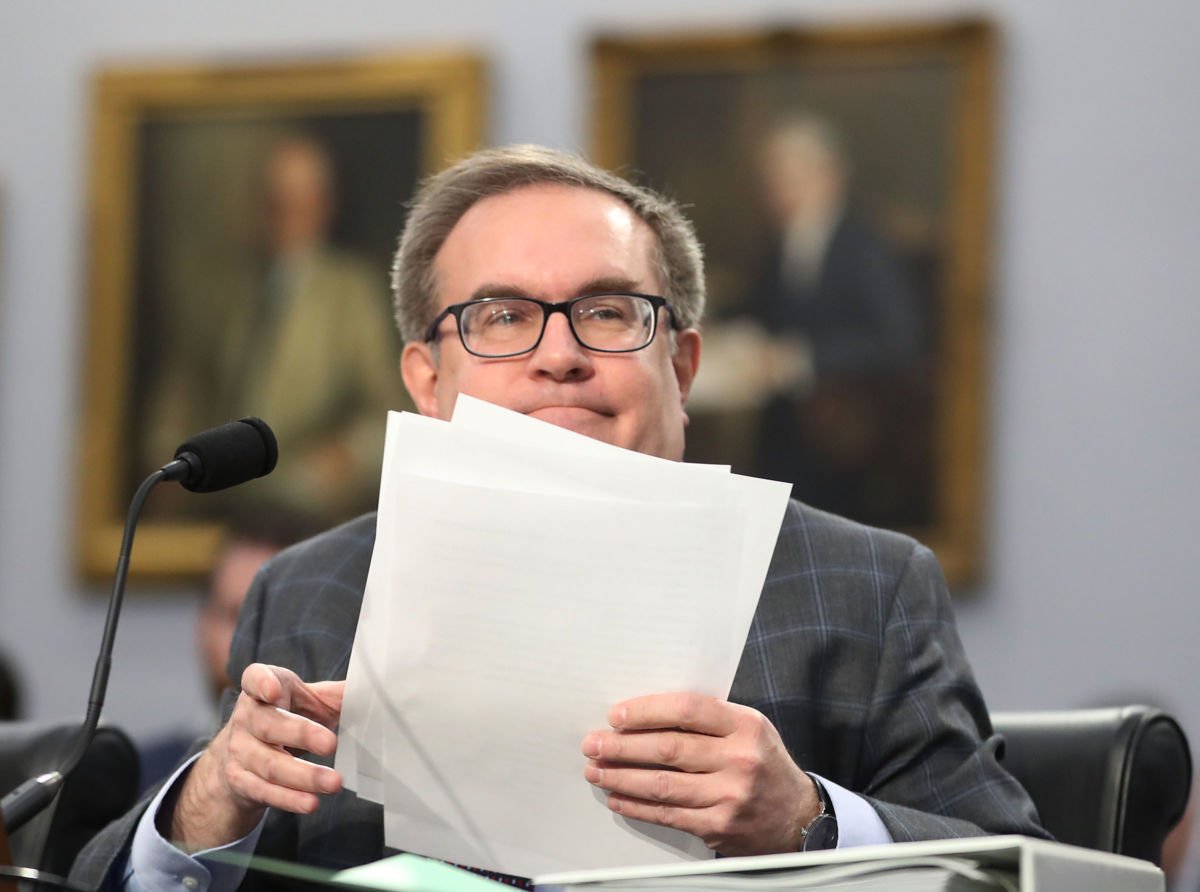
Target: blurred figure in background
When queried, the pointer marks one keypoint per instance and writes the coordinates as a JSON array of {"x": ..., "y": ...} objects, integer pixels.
[
  {"x": 841, "y": 325},
  {"x": 1181, "y": 850},
  {"x": 827, "y": 353},
  {"x": 249, "y": 544},
  {"x": 10, "y": 691},
  {"x": 300, "y": 335}
]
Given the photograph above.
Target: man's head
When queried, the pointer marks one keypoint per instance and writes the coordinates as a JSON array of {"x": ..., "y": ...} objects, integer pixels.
[
  {"x": 298, "y": 187},
  {"x": 804, "y": 170},
  {"x": 232, "y": 574},
  {"x": 531, "y": 222}
]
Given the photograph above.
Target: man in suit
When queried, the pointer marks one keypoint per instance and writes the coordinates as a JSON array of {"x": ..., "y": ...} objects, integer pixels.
[
  {"x": 840, "y": 303},
  {"x": 532, "y": 279},
  {"x": 299, "y": 335}
]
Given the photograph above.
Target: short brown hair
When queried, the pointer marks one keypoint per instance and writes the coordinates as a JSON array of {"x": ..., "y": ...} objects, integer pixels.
[{"x": 445, "y": 197}]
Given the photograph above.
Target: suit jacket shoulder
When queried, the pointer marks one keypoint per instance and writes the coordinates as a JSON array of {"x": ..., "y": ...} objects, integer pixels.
[{"x": 855, "y": 658}]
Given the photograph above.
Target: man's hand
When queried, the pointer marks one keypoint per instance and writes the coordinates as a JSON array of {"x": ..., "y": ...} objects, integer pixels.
[
  {"x": 247, "y": 766},
  {"x": 711, "y": 768}
]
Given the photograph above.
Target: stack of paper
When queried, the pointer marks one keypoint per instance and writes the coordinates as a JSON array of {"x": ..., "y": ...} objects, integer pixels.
[{"x": 524, "y": 579}]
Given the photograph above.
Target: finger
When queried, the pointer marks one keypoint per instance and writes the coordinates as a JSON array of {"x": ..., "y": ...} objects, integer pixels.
[
  {"x": 282, "y": 781},
  {"x": 320, "y": 701},
  {"x": 695, "y": 821},
  {"x": 660, "y": 786},
  {"x": 277, "y": 727},
  {"x": 692, "y": 712},
  {"x": 267, "y": 684},
  {"x": 330, "y": 692},
  {"x": 256, "y": 790},
  {"x": 278, "y": 767},
  {"x": 683, "y": 750}
]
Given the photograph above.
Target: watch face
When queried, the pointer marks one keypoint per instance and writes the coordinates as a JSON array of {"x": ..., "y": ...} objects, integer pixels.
[{"x": 822, "y": 834}]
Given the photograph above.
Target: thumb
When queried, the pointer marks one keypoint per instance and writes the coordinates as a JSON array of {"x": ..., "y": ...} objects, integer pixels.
[
  {"x": 321, "y": 701},
  {"x": 273, "y": 685}
]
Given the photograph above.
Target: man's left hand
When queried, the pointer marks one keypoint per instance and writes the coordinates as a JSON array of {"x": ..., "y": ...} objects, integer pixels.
[{"x": 712, "y": 768}]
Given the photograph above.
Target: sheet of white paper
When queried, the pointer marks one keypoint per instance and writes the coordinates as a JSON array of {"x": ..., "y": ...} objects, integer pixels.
[
  {"x": 484, "y": 417},
  {"x": 412, "y": 739},
  {"x": 620, "y": 605},
  {"x": 764, "y": 501},
  {"x": 538, "y": 457},
  {"x": 359, "y": 754}
]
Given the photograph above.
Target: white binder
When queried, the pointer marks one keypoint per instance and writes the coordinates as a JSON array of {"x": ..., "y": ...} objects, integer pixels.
[{"x": 1037, "y": 865}]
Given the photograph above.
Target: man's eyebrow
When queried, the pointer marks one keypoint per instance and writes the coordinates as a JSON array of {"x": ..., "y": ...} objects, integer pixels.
[
  {"x": 496, "y": 290},
  {"x": 607, "y": 284},
  {"x": 603, "y": 285}
]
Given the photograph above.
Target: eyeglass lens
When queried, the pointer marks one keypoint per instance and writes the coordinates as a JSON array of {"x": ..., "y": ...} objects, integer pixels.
[{"x": 608, "y": 322}]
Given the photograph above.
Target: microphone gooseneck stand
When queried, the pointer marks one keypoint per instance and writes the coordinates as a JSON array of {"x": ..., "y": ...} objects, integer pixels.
[
  {"x": 38, "y": 792},
  {"x": 252, "y": 453}
]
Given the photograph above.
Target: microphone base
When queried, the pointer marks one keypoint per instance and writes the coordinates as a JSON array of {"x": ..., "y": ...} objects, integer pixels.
[
  {"x": 28, "y": 799},
  {"x": 38, "y": 879}
]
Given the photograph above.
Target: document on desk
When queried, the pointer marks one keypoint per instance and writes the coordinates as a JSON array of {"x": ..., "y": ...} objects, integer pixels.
[{"x": 524, "y": 579}]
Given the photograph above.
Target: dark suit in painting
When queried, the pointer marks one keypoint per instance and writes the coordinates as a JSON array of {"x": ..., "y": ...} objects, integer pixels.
[{"x": 837, "y": 439}]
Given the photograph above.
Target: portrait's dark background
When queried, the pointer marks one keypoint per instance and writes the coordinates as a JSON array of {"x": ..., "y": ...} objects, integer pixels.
[{"x": 1093, "y": 414}]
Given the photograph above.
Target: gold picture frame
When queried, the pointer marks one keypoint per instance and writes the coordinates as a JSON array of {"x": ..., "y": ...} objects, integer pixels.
[
  {"x": 179, "y": 212},
  {"x": 780, "y": 143}
]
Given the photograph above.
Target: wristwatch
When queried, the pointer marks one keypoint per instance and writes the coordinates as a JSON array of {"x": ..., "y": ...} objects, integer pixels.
[{"x": 822, "y": 831}]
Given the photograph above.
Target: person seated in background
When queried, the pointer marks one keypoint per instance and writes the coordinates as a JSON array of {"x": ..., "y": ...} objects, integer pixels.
[
  {"x": 1181, "y": 850},
  {"x": 532, "y": 279},
  {"x": 248, "y": 543},
  {"x": 10, "y": 692}
]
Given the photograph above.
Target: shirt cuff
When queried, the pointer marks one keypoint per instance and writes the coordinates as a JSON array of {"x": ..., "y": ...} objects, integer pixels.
[
  {"x": 858, "y": 822},
  {"x": 156, "y": 864}
]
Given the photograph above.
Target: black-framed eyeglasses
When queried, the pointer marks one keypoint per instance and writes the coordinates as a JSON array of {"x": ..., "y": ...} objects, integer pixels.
[{"x": 497, "y": 327}]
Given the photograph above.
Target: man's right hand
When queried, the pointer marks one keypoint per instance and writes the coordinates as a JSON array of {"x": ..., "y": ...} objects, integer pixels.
[{"x": 248, "y": 767}]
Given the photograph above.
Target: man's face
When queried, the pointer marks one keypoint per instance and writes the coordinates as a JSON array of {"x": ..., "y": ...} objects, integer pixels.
[
  {"x": 801, "y": 181},
  {"x": 299, "y": 196},
  {"x": 553, "y": 243}
]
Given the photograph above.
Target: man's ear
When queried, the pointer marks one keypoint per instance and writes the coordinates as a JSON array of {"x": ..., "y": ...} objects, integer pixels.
[
  {"x": 686, "y": 360},
  {"x": 419, "y": 369}
]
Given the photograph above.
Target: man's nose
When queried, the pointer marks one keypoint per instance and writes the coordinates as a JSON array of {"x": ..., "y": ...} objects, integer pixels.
[{"x": 559, "y": 355}]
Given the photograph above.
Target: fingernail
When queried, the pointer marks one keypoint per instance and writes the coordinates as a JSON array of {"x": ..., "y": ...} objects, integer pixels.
[
  {"x": 619, "y": 715},
  {"x": 591, "y": 745},
  {"x": 593, "y": 773},
  {"x": 330, "y": 783}
]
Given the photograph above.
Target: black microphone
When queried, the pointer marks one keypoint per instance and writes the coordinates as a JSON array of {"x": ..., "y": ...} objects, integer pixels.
[
  {"x": 212, "y": 460},
  {"x": 224, "y": 456}
]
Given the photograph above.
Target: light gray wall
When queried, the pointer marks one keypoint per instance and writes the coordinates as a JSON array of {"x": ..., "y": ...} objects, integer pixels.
[{"x": 1096, "y": 409}]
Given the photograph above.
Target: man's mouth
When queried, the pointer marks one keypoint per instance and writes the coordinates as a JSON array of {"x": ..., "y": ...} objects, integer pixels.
[{"x": 572, "y": 417}]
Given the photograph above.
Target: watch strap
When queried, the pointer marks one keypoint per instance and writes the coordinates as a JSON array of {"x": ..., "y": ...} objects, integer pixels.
[{"x": 821, "y": 833}]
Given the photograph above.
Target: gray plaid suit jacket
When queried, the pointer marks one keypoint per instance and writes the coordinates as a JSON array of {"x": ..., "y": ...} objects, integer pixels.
[{"x": 853, "y": 655}]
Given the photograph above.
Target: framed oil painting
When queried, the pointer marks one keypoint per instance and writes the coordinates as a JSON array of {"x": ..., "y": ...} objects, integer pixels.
[
  {"x": 241, "y": 223},
  {"x": 840, "y": 180}
]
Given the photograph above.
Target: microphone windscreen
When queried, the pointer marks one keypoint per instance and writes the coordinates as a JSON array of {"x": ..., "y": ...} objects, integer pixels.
[{"x": 230, "y": 454}]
